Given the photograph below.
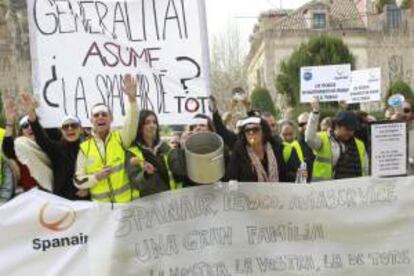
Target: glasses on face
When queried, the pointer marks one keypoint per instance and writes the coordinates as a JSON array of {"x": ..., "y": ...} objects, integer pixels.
[
  {"x": 197, "y": 126},
  {"x": 72, "y": 126},
  {"x": 101, "y": 114},
  {"x": 407, "y": 110},
  {"x": 302, "y": 124},
  {"x": 25, "y": 126},
  {"x": 253, "y": 130}
]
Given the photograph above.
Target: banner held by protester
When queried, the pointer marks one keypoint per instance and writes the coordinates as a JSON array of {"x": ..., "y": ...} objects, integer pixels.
[
  {"x": 351, "y": 227},
  {"x": 81, "y": 50}
]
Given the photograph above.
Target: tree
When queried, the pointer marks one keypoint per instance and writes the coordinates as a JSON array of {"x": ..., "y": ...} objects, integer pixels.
[
  {"x": 406, "y": 4},
  {"x": 400, "y": 87},
  {"x": 226, "y": 65},
  {"x": 320, "y": 50},
  {"x": 262, "y": 101},
  {"x": 381, "y": 3}
]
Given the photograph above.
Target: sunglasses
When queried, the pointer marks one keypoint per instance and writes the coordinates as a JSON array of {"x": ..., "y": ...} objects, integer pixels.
[
  {"x": 252, "y": 130},
  {"x": 25, "y": 125},
  {"x": 302, "y": 124},
  {"x": 407, "y": 110},
  {"x": 72, "y": 126},
  {"x": 102, "y": 114}
]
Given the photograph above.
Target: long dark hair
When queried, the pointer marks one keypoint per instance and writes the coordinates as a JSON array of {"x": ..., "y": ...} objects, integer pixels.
[{"x": 143, "y": 115}]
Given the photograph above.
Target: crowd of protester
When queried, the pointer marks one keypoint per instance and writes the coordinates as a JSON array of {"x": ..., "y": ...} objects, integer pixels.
[{"x": 120, "y": 165}]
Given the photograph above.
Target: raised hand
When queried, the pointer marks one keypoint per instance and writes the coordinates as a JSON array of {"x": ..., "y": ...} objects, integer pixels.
[
  {"x": 29, "y": 105},
  {"x": 315, "y": 104},
  {"x": 342, "y": 105},
  {"x": 213, "y": 103},
  {"x": 9, "y": 108},
  {"x": 130, "y": 87}
]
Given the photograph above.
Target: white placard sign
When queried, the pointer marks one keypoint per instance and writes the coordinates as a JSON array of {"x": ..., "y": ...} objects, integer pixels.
[
  {"x": 330, "y": 83},
  {"x": 81, "y": 51},
  {"x": 389, "y": 149},
  {"x": 365, "y": 86},
  {"x": 361, "y": 226}
]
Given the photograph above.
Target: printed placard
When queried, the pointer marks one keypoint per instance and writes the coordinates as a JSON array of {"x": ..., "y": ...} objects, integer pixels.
[
  {"x": 365, "y": 86},
  {"x": 389, "y": 149},
  {"x": 329, "y": 83}
]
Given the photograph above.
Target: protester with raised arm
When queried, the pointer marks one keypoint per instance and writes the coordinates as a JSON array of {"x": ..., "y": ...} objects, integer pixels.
[
  {"x": 34, "y": 166},
  {"x": 338, "y": 153},
  {"x": 62, "y": 154},
  {"x": 100, "y": 165}
]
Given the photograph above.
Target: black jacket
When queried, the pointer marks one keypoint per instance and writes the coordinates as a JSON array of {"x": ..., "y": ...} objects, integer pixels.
[
  {"x": 241, "y": 169},
  {"x": 229, "y": 137},
  {"x": 148, "y": 184},
  {"x": 63, "y": 156}
]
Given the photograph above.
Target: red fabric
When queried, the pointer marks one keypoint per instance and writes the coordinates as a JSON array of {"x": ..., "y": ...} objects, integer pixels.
[{"x": 26, "y": 180}]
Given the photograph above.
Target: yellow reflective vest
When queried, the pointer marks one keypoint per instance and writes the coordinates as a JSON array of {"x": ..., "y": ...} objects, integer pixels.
[
  {"x": 116, "y": 188},
  {"x": 173, "y": 184},
  {"x": 323, "y": 167},
  {"x": 2, "y": 134},
  {"x": 288, "y": 148}
]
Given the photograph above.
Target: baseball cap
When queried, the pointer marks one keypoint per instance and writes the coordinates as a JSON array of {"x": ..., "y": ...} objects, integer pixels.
[{"x": 347, "y": 119}]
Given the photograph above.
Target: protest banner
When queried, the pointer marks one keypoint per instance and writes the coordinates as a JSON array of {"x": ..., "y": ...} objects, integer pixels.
[
  {"x": 389, "y": 150},
  {"x": 358, "y": 226},
  {"x": 365, "y": 86},
  {"x": 81, "y": 50},
  {"x": 329, "y": 83}
]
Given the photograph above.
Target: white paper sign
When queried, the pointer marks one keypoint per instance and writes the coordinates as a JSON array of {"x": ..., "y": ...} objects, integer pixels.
[
  {"x": 389, "y": 149},
  {"x": 365, "y": 86},
  {"x": 360, "y": 226},
  {"x": 330, "y": 83},
  {"x": 82, "y": 49}
]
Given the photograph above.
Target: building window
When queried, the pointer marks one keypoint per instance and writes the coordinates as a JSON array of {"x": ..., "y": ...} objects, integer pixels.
[{"x": 319, "y": 21}]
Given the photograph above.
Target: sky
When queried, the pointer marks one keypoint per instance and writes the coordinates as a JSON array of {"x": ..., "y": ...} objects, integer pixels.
[{"x": 242, "y": 14}]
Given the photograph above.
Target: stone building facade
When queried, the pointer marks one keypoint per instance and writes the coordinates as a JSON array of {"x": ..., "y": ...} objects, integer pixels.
[
  {"x": 383, "y": 40},
  {"x": 15, "y": 67}
]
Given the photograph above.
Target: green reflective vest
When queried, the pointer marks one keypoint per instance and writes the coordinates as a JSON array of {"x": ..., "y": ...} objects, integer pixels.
[
  {"x": 322, "y": 167},
  {"x": 2, "y": 134},
  {"x": 116, "y": 187},
  {"x": 288, "y": 148},
  {"x": 173, "y": 184}
]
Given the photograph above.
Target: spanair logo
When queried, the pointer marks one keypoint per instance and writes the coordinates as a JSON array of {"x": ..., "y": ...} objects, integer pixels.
[
  {"x": 307, "y": 76},
  {"x": 341, "y": 74},
  {"x": 57, "y": 219}
]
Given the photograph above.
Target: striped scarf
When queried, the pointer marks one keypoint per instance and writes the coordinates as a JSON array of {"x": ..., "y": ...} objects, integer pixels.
[{"x": 262, "y": 176}]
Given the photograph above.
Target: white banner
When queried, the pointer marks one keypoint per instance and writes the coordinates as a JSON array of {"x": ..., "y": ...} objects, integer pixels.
[
  {"x": 389, "y": 149},
  {"x": 365, "y": 86},
  {"x": 329, "y": 83},
  {"x": 352, "y": 227},
  {"x": 82, "y": 49}
]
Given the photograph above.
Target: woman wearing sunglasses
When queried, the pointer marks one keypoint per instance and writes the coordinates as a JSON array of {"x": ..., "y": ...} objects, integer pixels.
[
  {"x": 257, "y": 157},
  {"x": 32, "y": 166},
  {"x": 62, "y": 154}
]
